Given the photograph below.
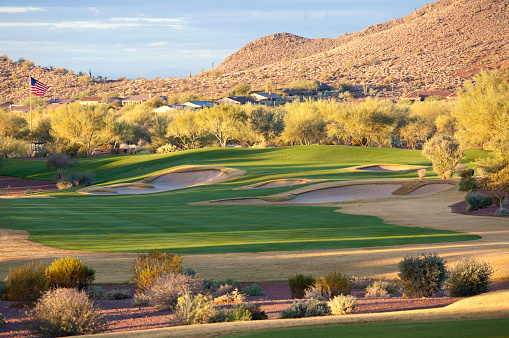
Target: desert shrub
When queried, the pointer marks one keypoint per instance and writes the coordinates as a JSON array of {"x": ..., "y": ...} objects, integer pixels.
[
  {"x": 465, "y": 173},
  {"x": 65, "y": 312},
  {"x": 236, "y": 314},
  {"x": 469, "y": 277},
  {"x": 63, "y": 184},
  {"x": 29, "y": 191},
  {"x": 296, "y": 310},
  {"x": 80, "y": 179},
  {"x": 360, "y": 282},
  {"x": 224, "y": 289},
  {"x": 252, "y": 290},
  {"x": 380, "y": 289},
  {"x": 459, "y": 168},
  {"x": 333, "y": 284},
  {"x": 315, "y": 308},
  {"x": 2, "y": 289},
  {"x": 149, "y": 266},
  {"x": 448, "y": 174},
  {"x": 502, "y": 212},
  {"x": 69, "y": 272},
  {"x": 256, "y": 312},
  {"x": 189, "y": 271},
  {"x": 118, "y": 295},
  {"x": 96, "y": 292},
  {"x": 26, "y": 283},
  {"x": 192, "y": 309},
  {"x": 342, "y": 305},
  {"x": 314, "y": 292},
  {"x": 299, "y": 284},
  {"x": 141, "y": 299},
  {"x": 478, "y": 201},
  {"x": 167, "y": 148},
  {"x": 421, "y": 173},
  {"x": 232, "y": 297},
  {"x": 421, "y": 276},
  {"x": 2, "y": 320},
  {"x": 165, "y": 291},
  {"x": 467, "y": 183},
  {"x": 310, "y": 308}
]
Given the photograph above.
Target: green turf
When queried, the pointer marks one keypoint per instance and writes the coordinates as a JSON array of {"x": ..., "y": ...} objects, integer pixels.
[
  {"x": 165, "y": 221},
  {"x": 470, "y": 328}
]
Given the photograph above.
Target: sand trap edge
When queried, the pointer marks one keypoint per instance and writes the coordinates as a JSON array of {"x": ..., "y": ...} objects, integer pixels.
[
  {"x": 257, "y": 185},
  {"x": 407, "y": 167}
]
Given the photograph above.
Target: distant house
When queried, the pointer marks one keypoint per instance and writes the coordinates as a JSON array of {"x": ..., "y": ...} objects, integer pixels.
[
  {"x": 165, "y": 109},
  {"x": 199, "y": 104},
  {"x": 322, "y": 87},
  {"x": 55, "y": 103},
  {"x": 421, "y": 95},
  {"x": 266, "y": 97},
  {"x": 139, "y": 99},
  {"x": 91, "y": 100},
  {"x": 5, "y": 104},
  {"x": 236, "y": 100},
  {"x": 292, "y": 94}
]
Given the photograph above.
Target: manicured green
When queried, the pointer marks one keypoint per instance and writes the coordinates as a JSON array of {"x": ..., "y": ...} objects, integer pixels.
[
  {"x": 463, "y": 329},
  {"x": 165, "y": 221}
]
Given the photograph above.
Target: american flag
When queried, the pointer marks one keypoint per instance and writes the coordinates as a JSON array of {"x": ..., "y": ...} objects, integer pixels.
[{"x": 37, "y": 88}]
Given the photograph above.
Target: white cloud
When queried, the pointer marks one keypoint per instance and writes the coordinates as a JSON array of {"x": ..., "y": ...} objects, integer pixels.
[
  {"x": 202, "y": 53},
  {"x": 20, "y": 9},
  {"x": 117, "y": 23},
  {"x": 93, "y": 9},
  {"x": 158, "y": 44}
]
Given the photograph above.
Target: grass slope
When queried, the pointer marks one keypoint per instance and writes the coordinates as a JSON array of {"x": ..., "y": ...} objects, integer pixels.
[
  {"x": 164, "y": 221},
  {"x": 472, "y": 328}
]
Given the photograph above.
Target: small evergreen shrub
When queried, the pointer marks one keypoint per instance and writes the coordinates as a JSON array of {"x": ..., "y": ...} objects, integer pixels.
[
  {"x": 316, "y": 308},
  {"x": 478, "y": 201},
  {"x": 165, "y": 291},
  {"x": 77, "y": 180},
  {"x": 469, "y": 277},
  {"x": 466, "y": 173},
  {"x": 252, "y": 290},
  {"x": 118, "y": 295},
  {"x": 256, "y": 312},
  {"x": 299, "y": 284},
  {"x": 189, "y": 271},
  {"x": 342, "y": 305},
  {"x": 236, "y": 314},
  {"x": 65, "y": 312},
  {"x": 421, "y": 276},
  {"x": 360, "y": 282},
  {"x": 333, "y": 284},
  {"x": 459, "y": 168},
  {"x": 141, "y": 299},
  {"x": 223, "y": 289},
  {"x": 380, "y": 289},
  {"x": 2, "y": 289},
  {"x": 502, "y": 212},
  {"x": 69, "y": 272},
  {"x": 26, "y": 283},
  {"x": 467, "y": 184},
  {"x": 149, "y": 266},
  {"x": 96, "y": 292},
  {"x": 2, "y": 320},
  {"x": 192, "y": 309},
  {"x": 63, "y": 184},
  {"x": 296, "y": 310}
]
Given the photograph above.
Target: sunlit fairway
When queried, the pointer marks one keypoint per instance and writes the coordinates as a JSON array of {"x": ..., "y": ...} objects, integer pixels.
[{"x": 165, "y": 221}]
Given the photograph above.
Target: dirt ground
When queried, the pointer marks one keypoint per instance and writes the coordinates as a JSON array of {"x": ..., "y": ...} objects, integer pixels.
[
  {"x": 12, "y": 186},
  {"x": 122, "y": 316}
]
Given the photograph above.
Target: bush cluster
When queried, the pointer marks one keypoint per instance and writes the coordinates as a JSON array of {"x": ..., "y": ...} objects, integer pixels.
[
  {"x": 149, "y": 266},
  {"x": 252, "y": 290},
  {"x": 299, "y": 284},
  {"x": 333, "y": 284},
  {"x": 70, "y": 272},
  {"x": 166, "y": 289},
  {"x": 65, "y": 312},
  {"x": 478, "y": 201},
  {"x": 469, "y": 277},
  {"x": 380, "y": 289},
  {"x": 191, "y": 309},
  {"x": 76, "y": 180},
  {"x": 342, "y": 305},
  {"x": 310, "y": 308},
  {"x": 26, "y": 283},
  {"x": 421, "y": 276}
]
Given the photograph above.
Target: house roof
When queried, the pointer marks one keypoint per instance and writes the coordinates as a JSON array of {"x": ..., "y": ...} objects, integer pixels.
[
  {"x": 266, "y": 96},
  {"x": 199, "y": 104},
  {"x": 237, "y": 99},
  {"x": 324, "y": 86},
  {"x": 92, "y": 99},
  {"x": 61, "y": 101},
  {"x": 19, "y": 109},
  {"x": 291, "y": 91},
  {"x": 137, "y": 98},
  {"x": 5, "y": 104}
]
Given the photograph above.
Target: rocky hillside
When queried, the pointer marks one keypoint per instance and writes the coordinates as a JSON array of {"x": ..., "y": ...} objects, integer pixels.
[{"x": 438, "y": 46}]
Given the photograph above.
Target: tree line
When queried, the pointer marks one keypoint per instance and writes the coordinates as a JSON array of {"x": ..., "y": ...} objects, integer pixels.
[{"x": 479, "y": 118}]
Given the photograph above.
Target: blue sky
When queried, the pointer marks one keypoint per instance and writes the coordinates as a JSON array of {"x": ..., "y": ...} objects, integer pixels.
[{"x": 169, "y": 38}]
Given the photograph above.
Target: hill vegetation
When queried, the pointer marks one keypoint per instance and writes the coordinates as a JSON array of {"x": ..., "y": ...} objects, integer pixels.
[{"x": 438, "y": 46}]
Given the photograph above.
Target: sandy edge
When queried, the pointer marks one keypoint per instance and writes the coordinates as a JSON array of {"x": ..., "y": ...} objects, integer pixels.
[{"x": 401, "y": 168}]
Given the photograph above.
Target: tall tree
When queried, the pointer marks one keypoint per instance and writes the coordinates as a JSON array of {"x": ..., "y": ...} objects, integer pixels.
[
  {"x": 225, "y": 122},
  {"x": 444, "y": 152}
]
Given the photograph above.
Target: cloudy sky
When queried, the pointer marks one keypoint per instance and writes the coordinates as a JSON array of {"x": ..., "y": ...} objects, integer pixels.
[{"x": 169, "y": 38}]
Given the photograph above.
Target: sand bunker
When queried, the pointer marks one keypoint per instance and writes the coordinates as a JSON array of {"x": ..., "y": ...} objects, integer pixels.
[
  {"x": 388, "y": 168},
  {"x": 280, "y": 183},
  {"x": 347, "y": 192},
  {"x": 184, "y": 178}
]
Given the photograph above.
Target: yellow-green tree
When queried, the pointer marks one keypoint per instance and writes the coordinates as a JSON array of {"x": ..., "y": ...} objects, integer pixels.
[
  {"x": 225, "y": 122},
  {"x": 444, "y": 152}
]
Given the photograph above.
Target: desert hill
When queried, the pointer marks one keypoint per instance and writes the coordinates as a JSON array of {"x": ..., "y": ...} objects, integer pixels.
[{"x": 438, "y": 46}]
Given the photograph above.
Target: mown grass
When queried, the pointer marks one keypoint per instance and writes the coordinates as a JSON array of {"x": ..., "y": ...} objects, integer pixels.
[
  {"x": 471, "y": 328},
  {"x": 164, "y": 221}
]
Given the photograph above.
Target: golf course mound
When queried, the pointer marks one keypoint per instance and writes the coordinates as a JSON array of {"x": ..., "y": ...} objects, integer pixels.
[
  {"x": 175, "y": 179},
  {"x": 387, "y": 168}
]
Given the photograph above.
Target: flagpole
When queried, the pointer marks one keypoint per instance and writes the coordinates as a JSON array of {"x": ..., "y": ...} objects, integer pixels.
[{"x": 30, "y": 111}]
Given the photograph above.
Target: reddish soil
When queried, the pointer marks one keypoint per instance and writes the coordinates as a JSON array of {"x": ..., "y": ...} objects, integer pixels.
[
  {"x": 122, "y": 316},
  {"x": 461, "y": 208},
  {"x": 13, "y": 186}
]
